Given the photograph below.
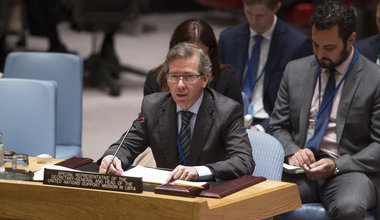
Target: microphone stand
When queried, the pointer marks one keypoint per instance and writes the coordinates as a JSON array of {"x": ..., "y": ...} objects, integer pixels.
[{"x": 142, "y": 119}]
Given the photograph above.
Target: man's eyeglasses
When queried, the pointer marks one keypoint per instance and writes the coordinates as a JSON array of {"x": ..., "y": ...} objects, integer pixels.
[{"x": 175, "y": 77}]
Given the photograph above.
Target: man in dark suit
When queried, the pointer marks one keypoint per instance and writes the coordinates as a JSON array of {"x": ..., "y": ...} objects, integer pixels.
[
  {"x": 332, "y": 129},
  {"x": 370, "y": 46},
  {"x": 216, "y": 144},
  {"x": 279, "y": 45}
]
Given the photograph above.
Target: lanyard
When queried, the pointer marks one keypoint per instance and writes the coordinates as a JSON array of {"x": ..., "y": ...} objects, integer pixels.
[
  {"x": 180, "y": 150},
  {"x": 336, "y": 89},
  {"x": 249, "y": 71}
]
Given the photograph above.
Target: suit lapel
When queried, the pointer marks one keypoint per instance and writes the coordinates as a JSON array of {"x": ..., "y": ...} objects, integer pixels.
[
  {"x": 241, "y": 43},
  {"x": 274, "y": 55},
  {"x": 308, "y": 92},
  {"x": 374, "y": 47},
  {"x": 350, "y": 85},
  {"x": 203, "y": 125},
  {"x": 167, "y": 124}
]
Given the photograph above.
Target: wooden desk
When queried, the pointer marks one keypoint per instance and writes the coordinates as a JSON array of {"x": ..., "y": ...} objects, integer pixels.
[{"x": 34, "y": 200}]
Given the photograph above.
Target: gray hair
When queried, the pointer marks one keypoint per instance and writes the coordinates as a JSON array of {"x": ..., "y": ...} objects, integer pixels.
[{"x": 187, "y": 50}]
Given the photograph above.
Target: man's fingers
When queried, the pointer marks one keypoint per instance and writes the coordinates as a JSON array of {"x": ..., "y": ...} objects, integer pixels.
[
  {"x": 310, "y": 156},
  {"x": 183, "y": 173},
  {"x": 174, "y": 174},
  {"x": 115, "y": 167}
]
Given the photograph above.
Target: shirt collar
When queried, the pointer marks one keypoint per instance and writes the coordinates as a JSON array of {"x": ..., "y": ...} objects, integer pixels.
[
  {"x": 195, "y": 107},
  {"x": 267, "y": 34}
]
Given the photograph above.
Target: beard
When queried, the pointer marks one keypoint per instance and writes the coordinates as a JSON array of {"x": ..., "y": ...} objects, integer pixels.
[{"x": 329, "y": 64}]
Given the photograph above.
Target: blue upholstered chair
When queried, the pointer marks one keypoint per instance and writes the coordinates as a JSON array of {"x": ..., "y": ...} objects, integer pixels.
[
  {"x": 314, "y": 211},
  {"x": 67, "y": 71},
  {"x": 268, "y": 155},
  {"x": 28, "y": 115}
]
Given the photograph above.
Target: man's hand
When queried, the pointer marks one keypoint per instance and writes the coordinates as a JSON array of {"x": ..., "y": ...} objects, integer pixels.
[
  {"x": 254, "y": 128},
  {"x": 301, "y": 157},
  {"x": 321, "y": 169},
  {"x": 115, "y": 168},
  {"x": 183, "y": 173}
]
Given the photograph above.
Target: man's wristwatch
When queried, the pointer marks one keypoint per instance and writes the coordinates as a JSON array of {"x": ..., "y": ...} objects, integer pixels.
[{"x": 336, "y": 171}]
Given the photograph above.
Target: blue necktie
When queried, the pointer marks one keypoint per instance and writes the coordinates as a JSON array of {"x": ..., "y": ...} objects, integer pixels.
[
  {"x": 185, "y": 136},
  {"x": 324, "y": 117},
  {"x": 250, "y": 78}
]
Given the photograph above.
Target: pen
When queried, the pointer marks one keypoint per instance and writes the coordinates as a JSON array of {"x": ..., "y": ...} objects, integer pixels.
[
  {"x": 308, "y": 166},
  {"x": 184, "y": 184}
]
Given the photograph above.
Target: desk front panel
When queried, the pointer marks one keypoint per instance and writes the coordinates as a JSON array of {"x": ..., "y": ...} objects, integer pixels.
[{"x": 34, "y": 200}]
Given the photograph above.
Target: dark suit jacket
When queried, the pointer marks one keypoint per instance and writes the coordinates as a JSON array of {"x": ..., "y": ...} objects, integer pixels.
[
  {"x": 357, "y": 120},
  {"x": 369, "y": 47},
  {"x": 287, "y": 44},
  {"x": 226, "y": 84},
  {"x": 219, "y": 139}
]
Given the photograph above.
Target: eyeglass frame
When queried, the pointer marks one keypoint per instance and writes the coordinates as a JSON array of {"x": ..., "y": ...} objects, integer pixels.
[{"x": 179, "y": 77}]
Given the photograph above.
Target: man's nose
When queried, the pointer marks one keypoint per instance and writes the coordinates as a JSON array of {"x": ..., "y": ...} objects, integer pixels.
[
  {"x": 180, "y": 82},
  {"x": 319, "y": 53}
]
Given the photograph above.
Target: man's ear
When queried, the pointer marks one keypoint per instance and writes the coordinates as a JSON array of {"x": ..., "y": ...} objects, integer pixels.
[
  {"x": 351, "y": 39},
  {"x": 205, "y": 79}
]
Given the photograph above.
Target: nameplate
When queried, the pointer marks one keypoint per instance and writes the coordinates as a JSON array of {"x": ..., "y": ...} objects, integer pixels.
[{"x": 93, "y": 181}]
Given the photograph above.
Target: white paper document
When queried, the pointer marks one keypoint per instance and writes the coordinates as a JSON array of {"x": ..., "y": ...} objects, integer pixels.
[
  {"x": 293, "y": 169},
  {"x": 39, "y": 174},
  {"x": 152, "y": 175}
]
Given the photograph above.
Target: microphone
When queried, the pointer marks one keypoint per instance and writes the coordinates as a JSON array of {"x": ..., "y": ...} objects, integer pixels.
[{"x": 142, "y": 120}]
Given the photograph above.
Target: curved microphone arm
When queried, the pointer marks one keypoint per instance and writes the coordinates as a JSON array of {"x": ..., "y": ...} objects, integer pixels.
[{"x": 142, "y": 120}]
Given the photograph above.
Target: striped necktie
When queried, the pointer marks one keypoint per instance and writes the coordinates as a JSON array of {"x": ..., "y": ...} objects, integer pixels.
[{"x": 185, "y": 136}]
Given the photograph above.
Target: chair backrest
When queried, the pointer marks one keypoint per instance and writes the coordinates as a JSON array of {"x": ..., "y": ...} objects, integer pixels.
[
  {"x": 103, "y": 14},
  {"x": 28, "y": 115},
  {"x": 67, "y": 71},
  {"x": 268, "y": 155}
]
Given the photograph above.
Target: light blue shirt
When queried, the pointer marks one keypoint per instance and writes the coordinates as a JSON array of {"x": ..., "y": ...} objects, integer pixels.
[{"x": 204, "y": 172}]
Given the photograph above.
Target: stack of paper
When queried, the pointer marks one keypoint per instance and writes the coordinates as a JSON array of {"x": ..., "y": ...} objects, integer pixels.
[
  {"x": 292, "y": 169},
  {"x": 152, "y": 175}
]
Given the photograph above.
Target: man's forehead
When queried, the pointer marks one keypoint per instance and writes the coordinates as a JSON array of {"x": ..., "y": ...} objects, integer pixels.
[
  {"x": 183, "y": 64},
  {"x": 328, "y": 36}
]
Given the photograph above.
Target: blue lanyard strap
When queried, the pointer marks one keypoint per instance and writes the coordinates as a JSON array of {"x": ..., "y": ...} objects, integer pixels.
[
  {"x": 249, "y": 71},
  {"x": 336, "y": 89},
  {"x": 180, "y": 150}
]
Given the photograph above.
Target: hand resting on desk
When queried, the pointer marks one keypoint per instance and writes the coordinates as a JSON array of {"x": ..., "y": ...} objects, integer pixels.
[
  {"x": 179, "y": 173},
  {"x": 183, "y": 173}
]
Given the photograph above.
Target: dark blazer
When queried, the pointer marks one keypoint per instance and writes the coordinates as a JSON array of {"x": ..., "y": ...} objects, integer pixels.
[
  {"x": 219, "y": 139},
  {"x": 357, "y": 120},
  {"x": 287, "y": 44},
  {"x": 369, "y": 47},
  {"x": 226, "y": 84}
]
